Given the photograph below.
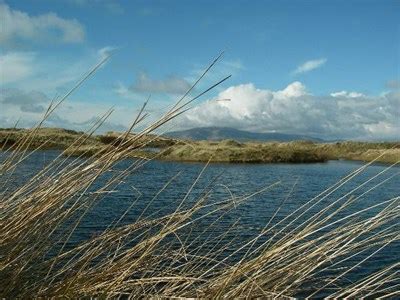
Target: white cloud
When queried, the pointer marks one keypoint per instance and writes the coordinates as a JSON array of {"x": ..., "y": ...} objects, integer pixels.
[
  {"x": 52, "y": 74},
  {"x": 28, "y": 107},
  {"x": 309, "y": 66},
  {"x": 294, "y": 110},
  {"x": 30, "y": 78},
  {"x": 289, "y": 110},
  {"x": 17, "y": 25},
  {"x": 106, "y": 51},
  {"x": 121, "y": 90},
  {"x": 347, "y": 94},
  {"x": 15, "y": 66}
]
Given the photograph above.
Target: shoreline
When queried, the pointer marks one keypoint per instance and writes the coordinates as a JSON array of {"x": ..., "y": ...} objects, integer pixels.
[{"x": 224, "y": 151}]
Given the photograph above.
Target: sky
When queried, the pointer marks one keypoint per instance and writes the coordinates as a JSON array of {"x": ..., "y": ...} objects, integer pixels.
[{"x": 328, "y": 69}]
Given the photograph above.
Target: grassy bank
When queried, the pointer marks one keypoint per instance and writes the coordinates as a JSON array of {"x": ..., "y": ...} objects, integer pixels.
[
  {"x": 44, "y": 138},
  {"x": 234, "y": 152},
  {"x": 59, "y": 138},
  {"x": 285, "y": 152},
  {"x": 226, "y": 151}
]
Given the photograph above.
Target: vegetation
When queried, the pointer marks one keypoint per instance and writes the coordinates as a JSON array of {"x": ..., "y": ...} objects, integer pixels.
[
  {"x": 231, "y": 151},
  {"x": 45, "y": 138},
  {"x": 150, "y": 140},
  {"x": 155, "y": 256},
  {"x": 227, "y": 151},
  {"x": 386, "y": 152},
  {"x": 58, "y": 138}
]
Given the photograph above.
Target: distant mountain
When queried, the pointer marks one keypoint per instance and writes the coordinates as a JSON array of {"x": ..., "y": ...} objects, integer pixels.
[{"x": 223, "y": 133}]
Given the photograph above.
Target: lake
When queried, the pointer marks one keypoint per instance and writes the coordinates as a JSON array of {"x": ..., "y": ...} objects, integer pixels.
[{"x": 287, "y": 187}]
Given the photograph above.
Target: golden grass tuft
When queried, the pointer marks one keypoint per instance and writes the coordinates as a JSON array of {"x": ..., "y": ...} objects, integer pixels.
[{"x": 157, "y": 256}]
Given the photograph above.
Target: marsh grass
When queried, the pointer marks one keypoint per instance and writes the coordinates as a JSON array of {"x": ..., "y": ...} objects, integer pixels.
[
  {"x": 305, "y": 253},
  {"x": 224, "y": 151},
  {"x": 280, "y": 152}
]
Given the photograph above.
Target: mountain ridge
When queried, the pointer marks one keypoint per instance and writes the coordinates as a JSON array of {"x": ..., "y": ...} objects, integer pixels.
[{"x": 215, "y": 133}]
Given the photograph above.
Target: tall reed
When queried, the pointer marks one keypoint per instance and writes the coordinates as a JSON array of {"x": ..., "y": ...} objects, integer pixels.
[{"x": 306, "y": 253}]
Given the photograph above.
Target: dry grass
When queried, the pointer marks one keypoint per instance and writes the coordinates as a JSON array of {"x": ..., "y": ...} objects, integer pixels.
[
  {"x": 229, "y": 151},
  {"x": 281, "y": 152},
  {"x": 232, "y": 151},
  {"x": 203, "y": 151},
  {"x": 157, "y": 256},
  {"x": 45, "y": 138}
]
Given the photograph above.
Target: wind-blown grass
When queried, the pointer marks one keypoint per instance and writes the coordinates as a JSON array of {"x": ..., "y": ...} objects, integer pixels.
[{"x": 158, "y": 255}]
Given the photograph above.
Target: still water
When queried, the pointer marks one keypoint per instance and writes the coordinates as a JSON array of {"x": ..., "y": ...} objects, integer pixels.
[{"x": 290, "y": 184}]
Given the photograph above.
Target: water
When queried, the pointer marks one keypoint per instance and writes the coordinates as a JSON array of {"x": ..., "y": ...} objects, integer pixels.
[{"x": 294, "y": 184}]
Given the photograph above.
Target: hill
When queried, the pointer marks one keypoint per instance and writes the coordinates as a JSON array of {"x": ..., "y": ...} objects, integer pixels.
[
  {"x": 45, "y": 138},
  {"x": 224, "y": 133}
]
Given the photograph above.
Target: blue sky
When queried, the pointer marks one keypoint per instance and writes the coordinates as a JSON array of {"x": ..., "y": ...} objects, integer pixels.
[{"x": 349, "y": 49}]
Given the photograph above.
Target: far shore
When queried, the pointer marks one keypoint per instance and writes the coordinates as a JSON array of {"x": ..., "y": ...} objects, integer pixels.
[{"x": 225, "y": 151}]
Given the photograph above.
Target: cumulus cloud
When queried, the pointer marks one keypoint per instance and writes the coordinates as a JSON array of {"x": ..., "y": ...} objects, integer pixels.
[
  {"x": 169, "y": 85},
  {"x": 309, "y": 66},
  {"x": 15, "y": 66},
  {"x": 295, "y": 110},
  {"x": 17, "y": 25}
]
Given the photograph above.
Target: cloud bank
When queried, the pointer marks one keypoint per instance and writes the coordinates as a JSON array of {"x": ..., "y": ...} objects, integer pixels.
[
  {"x": 341, "y": 115},
  {"x": 17, "y": 25},
  {"x": 32, "y": 101},
  {"x": 28, "y": 108}
]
